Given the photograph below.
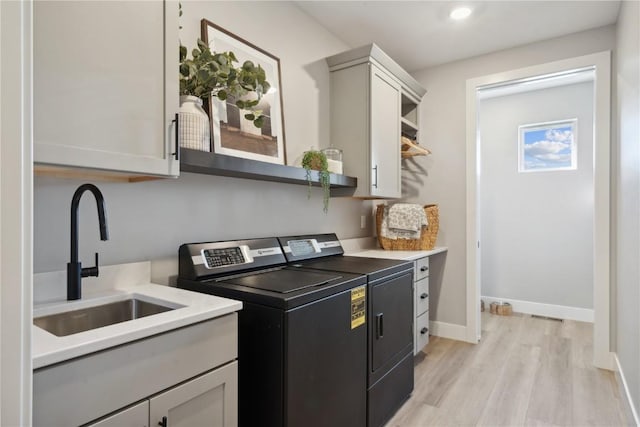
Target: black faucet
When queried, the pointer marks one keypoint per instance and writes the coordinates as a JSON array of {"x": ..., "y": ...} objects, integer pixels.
[{"x": 75, "y": 272}]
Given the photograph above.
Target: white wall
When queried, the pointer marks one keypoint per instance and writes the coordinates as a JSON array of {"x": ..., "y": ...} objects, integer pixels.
[
  {"x": 536, "y": 227},
  {"x": 440, "y": 178},
  {"x": 149, "y": 220},
  {"x": 627, "y": 197}
]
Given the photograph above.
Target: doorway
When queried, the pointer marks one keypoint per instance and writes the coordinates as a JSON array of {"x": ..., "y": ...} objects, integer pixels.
[{"x": 599, "y": 65}]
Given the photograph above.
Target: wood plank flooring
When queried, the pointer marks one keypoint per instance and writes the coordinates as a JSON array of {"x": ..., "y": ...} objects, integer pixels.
[{"x": 527, "y": 371}]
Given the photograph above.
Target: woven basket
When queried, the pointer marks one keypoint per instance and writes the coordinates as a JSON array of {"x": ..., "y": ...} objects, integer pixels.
[{"x": 427, "y": 238}]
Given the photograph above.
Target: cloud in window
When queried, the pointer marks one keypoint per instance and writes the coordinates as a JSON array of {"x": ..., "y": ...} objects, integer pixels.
[{"x": 546, "y": 147}]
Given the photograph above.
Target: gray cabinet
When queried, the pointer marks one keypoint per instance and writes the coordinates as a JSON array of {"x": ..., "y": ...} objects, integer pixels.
[
  {"x": 209, "y": 400},
  {"x": 421, "y": 304},
  {"x": 373, "y": 102},
  {"x": 135, "y": 416},
  {"x": 106, "y": 86},
  {"x": 180, "y": 374}
]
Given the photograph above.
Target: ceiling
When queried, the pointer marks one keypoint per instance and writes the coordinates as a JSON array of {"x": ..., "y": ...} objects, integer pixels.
[{"x": 420, "y": 34}]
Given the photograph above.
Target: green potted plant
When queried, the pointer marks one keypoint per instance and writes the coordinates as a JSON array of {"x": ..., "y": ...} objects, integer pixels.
[
  {"x": 207, "y": 74},
  {"x": 317, "y": 160}
]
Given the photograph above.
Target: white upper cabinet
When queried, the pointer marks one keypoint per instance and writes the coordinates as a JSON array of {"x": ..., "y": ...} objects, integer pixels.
[
  {"x": 373, "y": 103},
  {"x": 106, "y": 85}
]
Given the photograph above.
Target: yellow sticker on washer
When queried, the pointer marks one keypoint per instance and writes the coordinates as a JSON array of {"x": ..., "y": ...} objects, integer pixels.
[{"x": 358, "y": 306}]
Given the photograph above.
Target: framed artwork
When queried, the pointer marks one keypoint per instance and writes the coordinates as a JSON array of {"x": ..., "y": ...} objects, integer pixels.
[
  {"x": 548, "y": 146},
  {"x": 231, "y": 133}
]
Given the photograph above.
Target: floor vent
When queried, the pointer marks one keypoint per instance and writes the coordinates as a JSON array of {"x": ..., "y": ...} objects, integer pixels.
[{"x": 547, "y": 318}]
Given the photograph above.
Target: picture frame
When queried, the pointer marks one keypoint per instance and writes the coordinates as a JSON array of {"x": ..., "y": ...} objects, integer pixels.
[
  {"x": 548, "y": 146},
  {"x": 231, "y": 133}
]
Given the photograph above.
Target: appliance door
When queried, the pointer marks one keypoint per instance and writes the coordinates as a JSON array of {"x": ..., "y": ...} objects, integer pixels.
[
  {"x": 390, "y": 322},
  {"x": 325, "y": 351}
]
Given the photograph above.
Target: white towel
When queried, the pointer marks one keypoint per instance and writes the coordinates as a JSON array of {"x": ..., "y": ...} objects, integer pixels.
[{"x": 403, "y": 221}]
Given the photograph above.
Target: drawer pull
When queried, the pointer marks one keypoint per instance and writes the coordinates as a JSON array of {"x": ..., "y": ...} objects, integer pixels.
[
  {"x": 379, "y": 325},
  {"x": 424, "y": 296},
  {"x": 424, "y": 268},
  {"x": 163, "y": 423},
  {"x": 424, "y": 330},
  {"x": 177, "y": 153}
]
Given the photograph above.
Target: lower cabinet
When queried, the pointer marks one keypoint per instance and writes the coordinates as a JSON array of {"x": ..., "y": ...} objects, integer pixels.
[
  {"x": 421, "y": 304},
  {"x": 177, "y": 378},
  {"x": 135, "y": 416},
  {"x": 209, "y": 399}
]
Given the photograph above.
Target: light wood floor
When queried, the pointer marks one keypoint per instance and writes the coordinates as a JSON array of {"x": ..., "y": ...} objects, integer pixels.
[{"x": 526, "y": 372}]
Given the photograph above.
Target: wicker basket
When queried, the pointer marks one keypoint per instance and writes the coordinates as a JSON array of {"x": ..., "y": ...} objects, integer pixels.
[{"x": 427, "y": 238}]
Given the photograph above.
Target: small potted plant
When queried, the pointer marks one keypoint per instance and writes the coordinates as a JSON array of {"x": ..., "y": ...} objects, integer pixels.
[
  {"x": 317, "y": 160},
  {"x": 208, "y": 74}
]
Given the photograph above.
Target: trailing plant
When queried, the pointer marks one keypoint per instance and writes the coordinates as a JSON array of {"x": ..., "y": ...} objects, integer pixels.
[
  {"x": 210, "y": 73},
  {"x": 317, "y": 160}
]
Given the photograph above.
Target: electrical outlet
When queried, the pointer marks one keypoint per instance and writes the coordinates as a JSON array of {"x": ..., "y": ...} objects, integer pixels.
[{"x": 363, "y": 221}]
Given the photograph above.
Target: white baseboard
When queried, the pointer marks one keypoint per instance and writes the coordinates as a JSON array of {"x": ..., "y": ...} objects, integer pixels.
[
  {"x": 548, "y": 310},
  {"x": 632, "y": 407},
  {"x": 448, "y": 330}
]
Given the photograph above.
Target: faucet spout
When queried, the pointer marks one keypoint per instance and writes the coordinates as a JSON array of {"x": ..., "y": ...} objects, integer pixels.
[{"x": 75, "y": 272}]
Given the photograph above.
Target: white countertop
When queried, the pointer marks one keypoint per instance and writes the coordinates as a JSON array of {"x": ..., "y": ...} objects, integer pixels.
[
  {"x": 48, "y": 349},
  {"x": 399, "y": 255}
]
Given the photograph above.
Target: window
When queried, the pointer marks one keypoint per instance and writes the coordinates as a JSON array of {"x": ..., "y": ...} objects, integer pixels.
[{"x": 547, "y": 146}]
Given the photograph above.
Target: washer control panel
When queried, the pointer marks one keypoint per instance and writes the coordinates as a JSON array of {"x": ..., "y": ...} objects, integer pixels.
[{"x": 223, "y": 257}]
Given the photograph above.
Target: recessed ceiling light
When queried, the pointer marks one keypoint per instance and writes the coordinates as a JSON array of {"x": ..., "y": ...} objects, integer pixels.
[{"x": 460, "y": 13}]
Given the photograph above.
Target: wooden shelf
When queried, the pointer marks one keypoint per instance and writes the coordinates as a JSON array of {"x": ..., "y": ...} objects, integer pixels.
[{"x": 219, "y": 164}]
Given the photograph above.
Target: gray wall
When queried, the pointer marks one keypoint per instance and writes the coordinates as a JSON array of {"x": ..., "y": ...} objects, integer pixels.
[
  {"x": 536, "y": 227},
  {"x": 627, "y": 198},
  {"x": 149, "y": 220},
  {"x": 441, "y": 177}
]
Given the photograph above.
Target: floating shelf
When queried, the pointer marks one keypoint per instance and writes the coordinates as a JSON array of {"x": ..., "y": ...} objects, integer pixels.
[{"x": 219, "y": 164}]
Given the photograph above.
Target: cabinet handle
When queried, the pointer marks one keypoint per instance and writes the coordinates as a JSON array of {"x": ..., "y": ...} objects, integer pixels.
[
  {"x": 375, "y": 174},
  {"x": 163, "y": 423},
  {"x": 424, "y": 331},
  {"x": 379, "y": 325},
  {"x": 424, "y": 296},
  {"x": 424, "y": 268},
  {"x": 177, "y": 152}
]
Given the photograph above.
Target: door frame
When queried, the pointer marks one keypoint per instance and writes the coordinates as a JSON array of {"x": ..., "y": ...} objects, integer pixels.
[
  {"x": 16, "y": 224},
  {"x": 601, "y": 63}
]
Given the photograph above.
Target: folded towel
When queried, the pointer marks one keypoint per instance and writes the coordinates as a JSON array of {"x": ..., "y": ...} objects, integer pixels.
[
  {"x": 407, "y": 217},
  {"x": 408, "y": 222}
]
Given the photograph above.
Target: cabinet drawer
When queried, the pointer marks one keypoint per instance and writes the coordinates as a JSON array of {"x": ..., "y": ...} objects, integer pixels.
[
  {"x": 422, "y": 268},
  {"x": 422, "y": 296},
  {"x": 422, "y": 331}
]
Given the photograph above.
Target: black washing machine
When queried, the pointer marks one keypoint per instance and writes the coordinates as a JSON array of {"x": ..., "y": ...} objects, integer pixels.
[
  {"x": 389, "y": 311},
  {"x": 302, "y": 338}
]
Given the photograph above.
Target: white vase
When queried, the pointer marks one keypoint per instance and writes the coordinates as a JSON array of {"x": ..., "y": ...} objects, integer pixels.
[{"x": 194, "y": 124}]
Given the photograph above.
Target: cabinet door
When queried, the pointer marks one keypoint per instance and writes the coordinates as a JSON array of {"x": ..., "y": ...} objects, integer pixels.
[
  {"x": 135, "y": 416},
  {"x": 209, "y": 400},
  {"x": 106, "y": 85},
  {"x": 385, "y": 135}
]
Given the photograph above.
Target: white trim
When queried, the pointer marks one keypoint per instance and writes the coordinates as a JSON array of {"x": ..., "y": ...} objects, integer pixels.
[
  {"x": 601, "y": 227},
  {"x": 448, "y": 330},
  {"x": 626, "y": 391},
  {"x": 472, "y": 226},
  {"x": 16, "y": 212},
  {"x": 548, "y": 310}
]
